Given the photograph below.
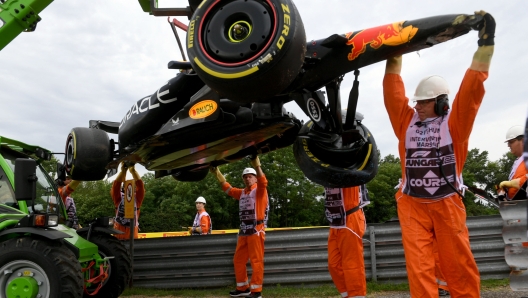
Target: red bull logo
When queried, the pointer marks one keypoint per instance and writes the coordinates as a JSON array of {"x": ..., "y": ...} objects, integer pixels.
[{"x": 391, "y": 35}]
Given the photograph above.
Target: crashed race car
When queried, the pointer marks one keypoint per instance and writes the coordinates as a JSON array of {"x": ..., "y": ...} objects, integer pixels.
[{"x": 247, "y": 59}]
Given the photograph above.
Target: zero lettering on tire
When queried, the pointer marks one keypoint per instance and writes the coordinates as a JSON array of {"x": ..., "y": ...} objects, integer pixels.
[{"x": 246, "y": 51}]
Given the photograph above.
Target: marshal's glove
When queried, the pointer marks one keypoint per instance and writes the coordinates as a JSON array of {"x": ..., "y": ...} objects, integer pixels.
[
  {"x": 510, "y": 184},
  {"x": 218, "y": 175},
  {"x": 486, "y": 29},
  {"x": 255, "y": 161}
]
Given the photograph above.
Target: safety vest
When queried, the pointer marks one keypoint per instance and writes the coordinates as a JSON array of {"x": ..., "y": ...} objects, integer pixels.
[
  {"x": 71, "y": 210},
  {"x": 247, "y": 212},
  {"x": 198, "y": 222},
  {"x": 425, "y": 146},
  {"x": 120, "y": 213},
  {"x": 335, "y": 206}
]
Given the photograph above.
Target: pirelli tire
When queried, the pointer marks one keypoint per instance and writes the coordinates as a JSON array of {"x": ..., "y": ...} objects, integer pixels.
[
  {"x": 257, "y": 63},
  {"x": 88, "y": 151},
  {"x": 36, "y": 267},
  {"x": 120, "y": 270},
  {"x": 337, "y": 167}
]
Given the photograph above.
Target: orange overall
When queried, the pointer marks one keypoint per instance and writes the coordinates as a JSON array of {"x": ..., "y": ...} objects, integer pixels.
[
  {"x": 202, "y": 220},
  {"x": 250, "y": 244},
  {"x": 423, "y": 218},
  {"x": 345, "y": 246},
  {"x": 518, "y": 173},
  {"x": 118, "y": 203}
]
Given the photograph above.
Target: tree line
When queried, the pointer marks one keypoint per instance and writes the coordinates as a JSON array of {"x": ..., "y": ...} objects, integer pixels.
[{"x": 295, "y": 201}]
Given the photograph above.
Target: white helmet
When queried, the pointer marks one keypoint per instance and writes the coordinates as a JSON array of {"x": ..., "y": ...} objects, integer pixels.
[
  {"x": 200, "y": 200},
  {"x": 249, "y": 171},
  {"x": 514, "y": 132},
  {"x": 431, "y": 87}
]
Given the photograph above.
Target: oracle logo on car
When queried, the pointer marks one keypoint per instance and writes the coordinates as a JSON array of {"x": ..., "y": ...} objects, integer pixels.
[{"x": 203, "y": 109}]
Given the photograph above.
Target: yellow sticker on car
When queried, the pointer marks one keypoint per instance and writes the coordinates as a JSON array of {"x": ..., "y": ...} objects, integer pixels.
[{"x": 203, "y": 109}]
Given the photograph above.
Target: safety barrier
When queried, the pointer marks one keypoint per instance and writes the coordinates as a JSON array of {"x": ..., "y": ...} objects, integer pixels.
[
  {"x": 515, "y": 234},
  {"x": 296, "y": 256}
]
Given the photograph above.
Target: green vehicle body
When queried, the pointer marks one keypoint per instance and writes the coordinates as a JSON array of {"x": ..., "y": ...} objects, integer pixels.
[
  {"x": 86, "y": 250},
  {"x": 17, "y": 16},
  {"x": 90, "y": 263}
]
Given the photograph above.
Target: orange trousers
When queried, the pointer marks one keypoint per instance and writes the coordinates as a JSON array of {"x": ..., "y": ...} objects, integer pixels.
[
  {"x": 252, "y": 248},
  {"x": 345, "y": 257},
  {"x": 421, "y": 221},
  {"x": 440, "y": 279},
  {"x": 126, "y": 230}
]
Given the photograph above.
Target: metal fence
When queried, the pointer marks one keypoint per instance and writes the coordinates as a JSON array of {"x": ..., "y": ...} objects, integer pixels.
[
  {"x": 514, "y": 233},
  {"x": 295, "y": 257}
]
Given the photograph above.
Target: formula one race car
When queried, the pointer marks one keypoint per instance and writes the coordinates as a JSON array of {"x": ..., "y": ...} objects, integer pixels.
[{"x": 247, "y": 59}]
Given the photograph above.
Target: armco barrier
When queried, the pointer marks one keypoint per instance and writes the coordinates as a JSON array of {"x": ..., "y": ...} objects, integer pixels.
[
  {"x": 296, "y": 256},
  {"x": 515, "y": 234}
]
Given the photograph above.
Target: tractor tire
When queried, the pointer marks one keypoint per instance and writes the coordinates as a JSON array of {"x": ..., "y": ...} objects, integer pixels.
[
  {"x": 88, "y": 152},
  {"x": 256, "y": 63},
  {"x": 337, "y": 167},
  {"x": 120, "y": 270},
  {"x": 42, "y": 267}
]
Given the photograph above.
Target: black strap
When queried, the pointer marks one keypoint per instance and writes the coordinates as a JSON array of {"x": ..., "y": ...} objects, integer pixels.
[
  {"x": 260, "y": 222},
  {"x": 350, "y": 211}
]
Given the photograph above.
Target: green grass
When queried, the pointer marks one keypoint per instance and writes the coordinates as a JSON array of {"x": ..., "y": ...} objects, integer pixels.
[{"x": 291, "y": 291}]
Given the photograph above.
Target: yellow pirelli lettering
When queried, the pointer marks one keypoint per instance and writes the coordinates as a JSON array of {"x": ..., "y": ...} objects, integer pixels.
[{"x": 225, "y": 75}]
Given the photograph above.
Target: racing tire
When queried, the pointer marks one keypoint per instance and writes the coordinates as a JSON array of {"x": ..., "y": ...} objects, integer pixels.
[
  {"x": 49, "y": 263},
  {"x": 337, "y": 167},
  {"x": 88, "y": 151},
  {"x": 193, "y": 175},
  {"x": 120, "y": 270},
  {"x": 260, "y": 61}
]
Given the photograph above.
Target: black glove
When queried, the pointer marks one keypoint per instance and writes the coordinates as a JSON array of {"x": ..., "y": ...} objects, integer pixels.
[{"x": 486, "y": 29}]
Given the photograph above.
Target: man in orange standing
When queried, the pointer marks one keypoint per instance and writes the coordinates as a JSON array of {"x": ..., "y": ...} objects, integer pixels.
[
  {"x": 344, "y": 211},
  {"x": 517, "y": 177},
  {"x": 202, "y": 220},
  {"x": 253, "y": 209},
  {"x": 433, "y": 145},
  {"x": 121, "y": 223},
  {"x": 66, "y": 187}
]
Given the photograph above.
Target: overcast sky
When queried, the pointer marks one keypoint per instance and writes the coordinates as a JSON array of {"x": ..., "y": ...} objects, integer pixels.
[{"x": 93, "y": 59}]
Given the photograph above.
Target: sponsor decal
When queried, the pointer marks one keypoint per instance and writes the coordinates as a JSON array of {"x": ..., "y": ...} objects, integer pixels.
[
  {"x": 286, "y": 26},
  {"x": 391, "y": 35},
  {"x": 203, "y": 109},
  {"x": 313, "y": 109},
  {"x": 431, "y": 182},
  {"x": 149, "y": 103},
  {"x": 421, "y": 154},
  {"x": 175, "y": 122}
]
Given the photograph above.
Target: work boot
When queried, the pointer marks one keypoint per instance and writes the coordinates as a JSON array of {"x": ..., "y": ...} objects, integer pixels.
[
  {"x": 442, "y": 292},
  {"x": 237, "y": 293},
  {"x": 255, "y": 295}
]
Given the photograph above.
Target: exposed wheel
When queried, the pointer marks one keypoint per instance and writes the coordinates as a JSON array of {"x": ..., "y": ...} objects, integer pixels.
[
  {"x": 120, "y": 270},
  {"x": 88, "y": 151},
  {"x": 33, "y": 267},
  {"x": 246, "y": 50},
  {"x": 190, "y": 175},
  {"x": 335, "y": 165}
]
